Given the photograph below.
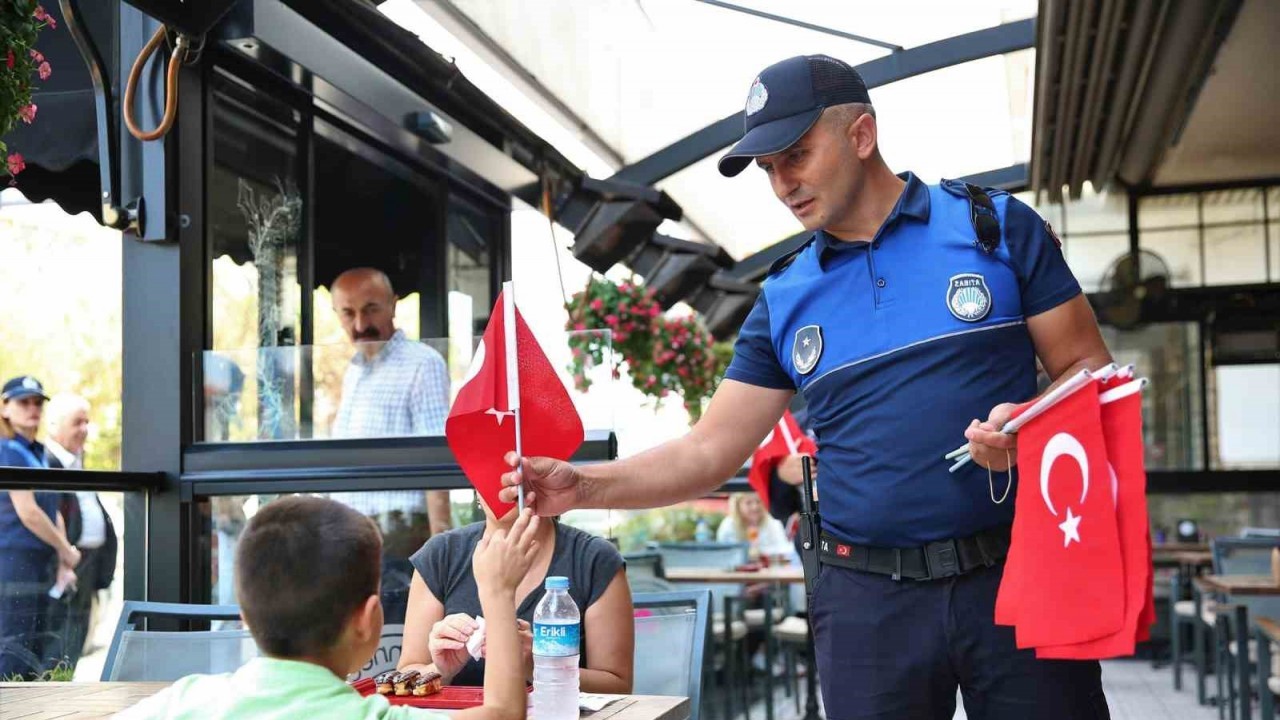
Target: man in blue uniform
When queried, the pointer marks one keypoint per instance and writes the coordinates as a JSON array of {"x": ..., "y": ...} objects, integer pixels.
[{"x": 912, "y": 314}]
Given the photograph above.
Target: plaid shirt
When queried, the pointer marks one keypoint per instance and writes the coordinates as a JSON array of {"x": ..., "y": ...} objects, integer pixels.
[{"x": 403, "y": 390}]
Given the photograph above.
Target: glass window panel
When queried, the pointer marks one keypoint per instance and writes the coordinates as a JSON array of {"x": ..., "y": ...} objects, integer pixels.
[
  {"x": 1246, "y": 430},
  {"x": 1169, "y": 355},
  {"x": 1166, "y": 211},
  {"x": 1273, "y": 252},
  {"x": 1180, "y": 249},
  {"x": 1232, "y": 206},
  {"x": 255, "y": 222},
  {"x": 1216, "y": 514},
  {"x": 474, "y": 238},
  {"x": 1235, "y": 255},
  {"x": 1091, "y": 256},
  {"x": 1097, "y": 213},
  {"x": 255, "y": 212},
  {"x": 376, "y": 390},
  {"x": 67, "y": 637}
]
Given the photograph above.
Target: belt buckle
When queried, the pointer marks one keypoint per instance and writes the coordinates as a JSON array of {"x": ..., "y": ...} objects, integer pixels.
[{"x": 942, "y": 558}]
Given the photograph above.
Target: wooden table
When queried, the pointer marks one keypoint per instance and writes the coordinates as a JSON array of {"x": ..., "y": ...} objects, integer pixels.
[
  {"x": 80, "y": 701},
  {"x": 1241, "y": 584},
  {"x": 781, "y": 574},
  {"x": 1193, "y": 558}
]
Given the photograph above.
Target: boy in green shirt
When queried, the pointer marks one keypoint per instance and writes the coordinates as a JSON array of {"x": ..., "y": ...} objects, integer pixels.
[{"x": 308, "y": 574}]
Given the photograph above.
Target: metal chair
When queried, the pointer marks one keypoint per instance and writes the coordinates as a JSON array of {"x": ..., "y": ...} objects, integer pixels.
[
  {"x": 1235, "y": 652},
  {"x": 159, "y": 655},
  {"x": 672, "y": 627}
]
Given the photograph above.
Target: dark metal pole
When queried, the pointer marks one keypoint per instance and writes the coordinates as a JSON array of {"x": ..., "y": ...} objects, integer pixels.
[{"x": 805, "y": 25}]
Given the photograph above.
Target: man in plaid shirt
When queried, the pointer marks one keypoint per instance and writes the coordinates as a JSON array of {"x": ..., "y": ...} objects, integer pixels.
[{"x": 393, "y": 387}]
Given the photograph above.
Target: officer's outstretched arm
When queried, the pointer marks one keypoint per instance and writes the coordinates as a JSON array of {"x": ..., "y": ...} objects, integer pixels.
[{"x": 738, "y": 418}]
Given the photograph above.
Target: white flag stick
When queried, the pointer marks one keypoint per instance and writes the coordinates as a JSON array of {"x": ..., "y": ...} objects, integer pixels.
[
  {"x": 1048, "y": 400},
  {"x": 1107, "y": 372},
  {"x": 1122, "y": 391},
  {"x": 513, "y": 375}
]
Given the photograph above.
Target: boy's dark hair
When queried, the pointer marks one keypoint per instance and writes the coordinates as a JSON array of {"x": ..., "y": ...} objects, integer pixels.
[{"x": 304, "y": 565}]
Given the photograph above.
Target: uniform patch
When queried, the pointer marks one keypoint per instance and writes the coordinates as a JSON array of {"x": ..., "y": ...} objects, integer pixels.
[
  {"x": 756, "y": 97},
  {"x": 968, "y": 297},
  {"x": 1049, "y": 229},
  {"x": 807, "y": 349}
]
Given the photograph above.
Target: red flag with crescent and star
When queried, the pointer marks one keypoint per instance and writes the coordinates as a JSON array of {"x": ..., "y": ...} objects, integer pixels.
[
  {"x": 1066, "y": 582},
  {"x": 481, "y": 426},
  {"x": 1122, "y": 430},
  {"x": 785, "y": 439}
]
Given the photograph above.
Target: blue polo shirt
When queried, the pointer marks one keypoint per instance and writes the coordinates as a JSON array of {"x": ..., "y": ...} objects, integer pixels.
[
  {"x": 20, "y": 452},
  {"x": 897, "y": 344}
]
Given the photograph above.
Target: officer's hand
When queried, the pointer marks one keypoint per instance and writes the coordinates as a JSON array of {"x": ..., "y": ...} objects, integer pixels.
[
  {"x": 550, "y": 485},
  {"x": 989, "y": 447}
]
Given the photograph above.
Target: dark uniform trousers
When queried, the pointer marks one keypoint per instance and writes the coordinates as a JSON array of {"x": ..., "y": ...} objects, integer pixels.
[{"x": 897, "y": 650}]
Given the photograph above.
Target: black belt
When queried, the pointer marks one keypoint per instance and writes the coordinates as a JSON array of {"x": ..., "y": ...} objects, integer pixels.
[{"x": 937, "y": 560}]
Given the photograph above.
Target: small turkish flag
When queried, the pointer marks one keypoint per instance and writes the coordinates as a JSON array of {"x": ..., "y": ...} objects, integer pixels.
[
  {"x": 785, "y": 439},
  {"x": 1122, "y": 430},
  {"x": 509, "y": 374},
  {"x": 1067, "y": 572}
]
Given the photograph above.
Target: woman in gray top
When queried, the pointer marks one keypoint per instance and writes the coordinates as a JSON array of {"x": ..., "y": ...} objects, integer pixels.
[{"x": 443, "y": 604}]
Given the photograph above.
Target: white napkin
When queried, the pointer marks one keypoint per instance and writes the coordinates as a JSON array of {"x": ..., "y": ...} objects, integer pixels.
[
  {"x": 594, "y": 703},
  {"x": 476, "y": 641}
]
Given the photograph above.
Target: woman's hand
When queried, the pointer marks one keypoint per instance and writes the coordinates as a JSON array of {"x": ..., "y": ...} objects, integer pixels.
[{"x": 448, "y": 643}]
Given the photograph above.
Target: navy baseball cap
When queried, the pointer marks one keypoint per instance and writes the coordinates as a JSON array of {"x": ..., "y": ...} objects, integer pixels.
[
  {"x": 20, "y": 387},
  {"x": 785, "y": 100}
]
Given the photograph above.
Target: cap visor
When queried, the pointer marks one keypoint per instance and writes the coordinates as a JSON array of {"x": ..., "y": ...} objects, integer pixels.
[
  {"x": 767, "y": 139},
  {"x": 19, "y": 394}
]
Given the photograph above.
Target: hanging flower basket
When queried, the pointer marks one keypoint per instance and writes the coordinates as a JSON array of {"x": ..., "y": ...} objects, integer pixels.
[
  {"x": 20, "y": 23},
  {"x": 661, "y": 355}
]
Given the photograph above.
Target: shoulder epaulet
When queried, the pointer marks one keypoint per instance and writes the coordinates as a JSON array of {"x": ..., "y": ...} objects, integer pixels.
[
  {"x": 783, "y": 262},
  {"x": 982, "y": 212}
]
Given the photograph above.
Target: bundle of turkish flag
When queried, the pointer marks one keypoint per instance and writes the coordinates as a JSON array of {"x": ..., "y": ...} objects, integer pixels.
[
  {"x": 785, "y": 439},
  {"x": 1078, "y": 580},
  {"x": 509, "y": 374}
]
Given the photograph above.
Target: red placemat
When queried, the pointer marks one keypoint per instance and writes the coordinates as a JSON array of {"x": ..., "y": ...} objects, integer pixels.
[{"x": 450, "y": 697}]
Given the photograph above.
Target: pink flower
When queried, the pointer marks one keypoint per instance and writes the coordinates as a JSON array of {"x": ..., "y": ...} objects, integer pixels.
[
  {"x": 611, "y": 320},
  {"x": 35, "y": 55},
  {"x": 597, "y": 305},
  {"x": 654, "y": 310},
  {"x": 28, "y": 113},
  {"x": 40, "y": 14},
  {"x": 44, "y": 70},
  {"x": 16, "y": 164},
  {"x": 682, "y": 371},
  {"x": 579, "y": 326},
  {"x": 651, "y": 380}
]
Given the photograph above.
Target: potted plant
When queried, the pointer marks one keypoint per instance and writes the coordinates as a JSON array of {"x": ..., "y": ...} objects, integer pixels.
[{"x": 20, "y": 23}]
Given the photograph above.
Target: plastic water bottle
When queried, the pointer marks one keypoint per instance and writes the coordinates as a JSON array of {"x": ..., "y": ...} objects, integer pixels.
[
  {"x": 557, "y": 634},
  {"x": 702, "y": 533}
]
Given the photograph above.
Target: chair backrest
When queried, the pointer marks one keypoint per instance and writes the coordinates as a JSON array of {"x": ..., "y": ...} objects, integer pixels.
[
  {"x": 1243, "y": 555},
  {"x": 706, "y": 555},
  {"x": 702, "y": 555},
  {"x": 643, "y": 565},
  {"x": 155, "y": 655},
  {"x": 1260, "y": 532},
  {"x": 672, "y": 629}
]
